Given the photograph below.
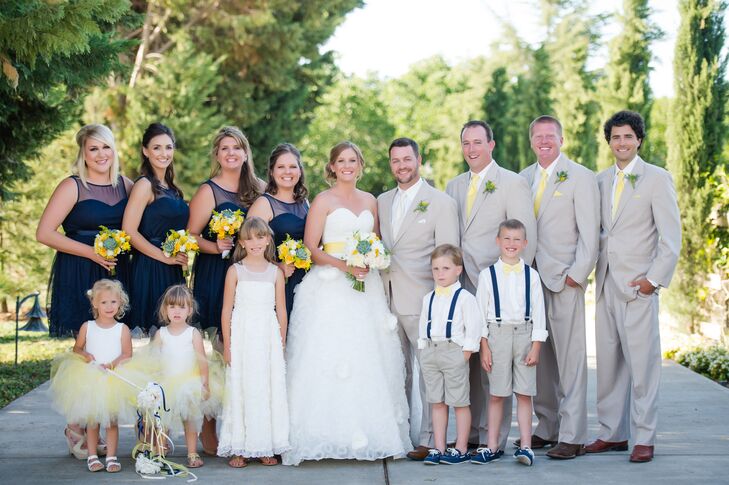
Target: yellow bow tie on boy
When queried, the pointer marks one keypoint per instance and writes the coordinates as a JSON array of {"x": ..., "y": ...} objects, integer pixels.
[
  {"x": 513, "y": 268},
  {"x": 442, "y": 290}
]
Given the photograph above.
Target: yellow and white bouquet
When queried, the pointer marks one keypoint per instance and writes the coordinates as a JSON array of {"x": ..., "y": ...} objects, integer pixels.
[
  {"x": 365, "y": 250},
  {"x": 225, "y": 224},
  {"x": 110, "y": 243},
  {"x": 180, "y": 241},
  {"x": 293, "y": 251}
]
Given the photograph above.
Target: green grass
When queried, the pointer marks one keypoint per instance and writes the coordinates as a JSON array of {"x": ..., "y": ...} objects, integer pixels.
[{"x": 35, "y": 353}]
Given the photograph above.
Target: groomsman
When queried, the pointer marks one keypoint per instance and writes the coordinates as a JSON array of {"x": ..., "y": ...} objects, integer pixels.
[
  {"x": 414, "y": 219},
  {"x": 487, "y": 195},
  {"x": 567, "y": 208},
  {"x": 640, "y": 240}
]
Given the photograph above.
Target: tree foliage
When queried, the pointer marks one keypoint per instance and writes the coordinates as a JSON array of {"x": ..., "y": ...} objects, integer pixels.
[{"x": 697, "y": 130}]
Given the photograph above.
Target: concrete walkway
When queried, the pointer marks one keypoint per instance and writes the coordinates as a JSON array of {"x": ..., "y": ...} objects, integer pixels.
[{"x": 693, "y": 447}]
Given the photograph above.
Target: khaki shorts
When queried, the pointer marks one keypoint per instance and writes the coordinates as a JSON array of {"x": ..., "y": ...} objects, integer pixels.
[
  {"x": 510, "y": 344},
  {"x": 445, "y": 373}
]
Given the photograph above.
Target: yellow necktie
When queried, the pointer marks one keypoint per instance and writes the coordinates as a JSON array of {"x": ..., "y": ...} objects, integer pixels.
[
  {"x": 618, "y": 191},
  {"x": 512, "y": 268},
  {"x": 442, "y": 290},
  {"x": 540, "y": 192},
  {"x": 471, "y": 195}
]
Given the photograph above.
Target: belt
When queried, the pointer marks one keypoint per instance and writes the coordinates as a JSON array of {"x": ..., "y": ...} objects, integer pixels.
[{"x": 335, "y": 248}]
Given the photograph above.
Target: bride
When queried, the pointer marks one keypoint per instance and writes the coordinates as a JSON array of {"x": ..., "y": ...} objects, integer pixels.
[{"x": 346, "y": 374}]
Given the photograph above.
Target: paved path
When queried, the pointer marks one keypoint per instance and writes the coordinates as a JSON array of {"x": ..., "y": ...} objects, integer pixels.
[{"x": 693, "y": 447}]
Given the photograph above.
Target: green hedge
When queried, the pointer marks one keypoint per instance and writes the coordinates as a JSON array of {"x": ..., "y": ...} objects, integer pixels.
[{"x": 713, "y": 362}]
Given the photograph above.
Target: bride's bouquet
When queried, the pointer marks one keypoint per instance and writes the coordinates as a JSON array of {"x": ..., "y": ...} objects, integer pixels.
[
  {"x": 365, "y": 250},
  {"x": 225, "y": 224},
  {"x": 180, "y": 241},
  {"x": 110, "y": 243}
]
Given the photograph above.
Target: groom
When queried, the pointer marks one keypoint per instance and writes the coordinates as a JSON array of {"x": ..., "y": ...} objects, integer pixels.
[{"x": 414, "y": 219}]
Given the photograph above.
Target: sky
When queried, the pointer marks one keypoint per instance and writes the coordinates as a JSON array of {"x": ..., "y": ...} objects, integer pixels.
[{"x": 388, "y": 36}]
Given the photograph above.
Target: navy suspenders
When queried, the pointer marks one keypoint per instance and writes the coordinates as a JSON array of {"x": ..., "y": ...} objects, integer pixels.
[
  {"x": 451, "y": 312},
  {"x": 527, "y": 297}
]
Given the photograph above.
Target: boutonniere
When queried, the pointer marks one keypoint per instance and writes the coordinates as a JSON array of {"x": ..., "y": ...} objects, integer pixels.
[
  {"x": 632, "y": 178},
  {"x": 562, "y": 176},
  {"x": 489, "y": 187},
  {"x": 422, "y": 207}
]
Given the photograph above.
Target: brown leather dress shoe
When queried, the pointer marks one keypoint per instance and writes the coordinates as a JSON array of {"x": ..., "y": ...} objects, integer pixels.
[
  {"x": 641, "y": 454},
  {"x": 600, "y": 446},
  {"x": 418, "y": 454},
  {"x": 537, "y": 443},
  {"x": 566, "y": 451}
]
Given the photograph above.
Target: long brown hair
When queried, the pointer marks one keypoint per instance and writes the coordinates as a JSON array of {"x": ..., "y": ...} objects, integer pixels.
[
  {"x": 153, "y": 130},
  {"x": 254, "y": 227},
  {"x": 300, "y": 190},
  {"x": 248, "y": 183}
]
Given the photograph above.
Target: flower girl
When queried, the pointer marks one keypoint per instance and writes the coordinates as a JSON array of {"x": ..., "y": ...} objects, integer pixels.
[
  {"x": 82, "y": 389},
  {"x": 185, "y": 374},
  {"x": 255, "y": 409}
]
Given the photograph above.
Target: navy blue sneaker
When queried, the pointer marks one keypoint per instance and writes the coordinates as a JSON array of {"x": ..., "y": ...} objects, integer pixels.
[
  {"x": 433, "y": 457},
  {"x": 525, "y": 456},
  {"x": 453, "y": 457},
  {"x": 485, "y": 455}
]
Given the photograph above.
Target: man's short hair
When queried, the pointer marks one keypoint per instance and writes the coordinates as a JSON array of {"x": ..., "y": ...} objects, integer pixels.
[
  {"x": 513, "y": 224},
  {"x": 482, "y": 124},
  {"x": 404, "y": 142},
  {"x": 625, "y": 117},
  {"x": 449, "y": 250},
  {"x": 545, "y": 119}
]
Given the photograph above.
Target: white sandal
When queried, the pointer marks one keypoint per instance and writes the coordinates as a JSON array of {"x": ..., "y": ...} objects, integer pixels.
[
  {"x": 112, "y": 464},
  {"x": 93, "y": 464}
]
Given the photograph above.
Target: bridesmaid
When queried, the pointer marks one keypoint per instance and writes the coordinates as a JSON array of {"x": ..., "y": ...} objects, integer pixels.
[
  {"x": 155, "y": 206},
  {"x": 95, "y": 195},
  {"x": 232, "y": 185},
  {"x": 284, "y": 206}
]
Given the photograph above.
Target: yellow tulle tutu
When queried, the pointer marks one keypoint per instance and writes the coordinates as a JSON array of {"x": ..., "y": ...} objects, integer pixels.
[{"x": 86, "y": 394}]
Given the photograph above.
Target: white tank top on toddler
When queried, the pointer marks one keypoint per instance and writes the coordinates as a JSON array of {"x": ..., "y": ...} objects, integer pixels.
[
  {"x": 103, "y": 343},
  {"x": 178, "y": 354}
]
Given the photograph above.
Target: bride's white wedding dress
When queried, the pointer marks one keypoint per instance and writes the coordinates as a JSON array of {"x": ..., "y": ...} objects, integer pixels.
[{"x": 346, "y": 374}]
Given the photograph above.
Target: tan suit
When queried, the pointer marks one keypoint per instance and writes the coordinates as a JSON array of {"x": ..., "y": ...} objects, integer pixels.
[
  {"x": 511, "y": 199},
  {"x": 568, "y": 223},
  {"x": 643, "y": 240},
  {"x": 409, "y": 277}
]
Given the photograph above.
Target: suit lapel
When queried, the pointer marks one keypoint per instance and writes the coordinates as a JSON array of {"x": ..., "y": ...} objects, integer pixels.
[
  {"x": 551, "y": 186},
  {"x": 386, "y": 217},
  {"x": 411, "y": 213},
  {"x": 493, "y": 175},
  {"x": 628, "y": 188}
]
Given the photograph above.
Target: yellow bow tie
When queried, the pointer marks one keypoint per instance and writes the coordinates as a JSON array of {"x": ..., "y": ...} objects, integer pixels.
[
  {"x": 442, "y": 290},
  {"x": 513, "y": 268}
]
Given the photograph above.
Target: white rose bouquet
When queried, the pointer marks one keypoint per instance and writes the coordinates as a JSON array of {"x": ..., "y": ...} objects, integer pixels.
[{"x": 365, "y": 250}]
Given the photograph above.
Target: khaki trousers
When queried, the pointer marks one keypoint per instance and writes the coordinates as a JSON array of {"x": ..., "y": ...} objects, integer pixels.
[{"x": 628, "y": 366}]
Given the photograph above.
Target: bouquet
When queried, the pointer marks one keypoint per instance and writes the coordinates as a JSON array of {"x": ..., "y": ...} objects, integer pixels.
[
  {"x": 293, "y": 251},
  {"x": 110, "y": 243},
  {"x": 180, "y": 242},
  {"x": 225, "y": 224},
  {"x": 365, "y": 250}
]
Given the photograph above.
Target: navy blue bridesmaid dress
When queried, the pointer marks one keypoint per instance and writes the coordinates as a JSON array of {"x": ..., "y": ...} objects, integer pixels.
[
  {"x": 208, "y": 274},
  {"x": 150, "y": 278},
  {"x": 72, "y": 276},
  {"x": 288, "y": 218}
]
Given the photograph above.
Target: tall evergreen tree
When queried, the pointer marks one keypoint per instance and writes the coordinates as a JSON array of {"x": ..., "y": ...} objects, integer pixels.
[
  {"x": 697, "y": 133},
  {"x": 52, "y": 54},
  {"x": 496, "y": 106},
  {"x": 626, "y": 83}
]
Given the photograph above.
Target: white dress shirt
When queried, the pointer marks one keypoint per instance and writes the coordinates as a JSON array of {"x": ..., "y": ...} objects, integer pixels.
[
  {"x": 538, "y": 175},
  {"x": 481, "y": 175},
  {"x": 512, "y": 299},
  {"x": 627, "y": 170},
  {"x": 466, "y": 324},
  {"x": 401, "y": 204}
]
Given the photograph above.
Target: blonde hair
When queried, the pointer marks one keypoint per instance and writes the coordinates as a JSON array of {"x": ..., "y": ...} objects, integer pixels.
[
  {"x": 178, "y": 295},
  {"x": 248, "y": 184},
  {"x": 104, "y": 135},
  {"x": 450, "y": 251},
  {"x": 254, "y": 227},
  {"x": 334, "y": 153},
  {"x": 112, "y": 286}
]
